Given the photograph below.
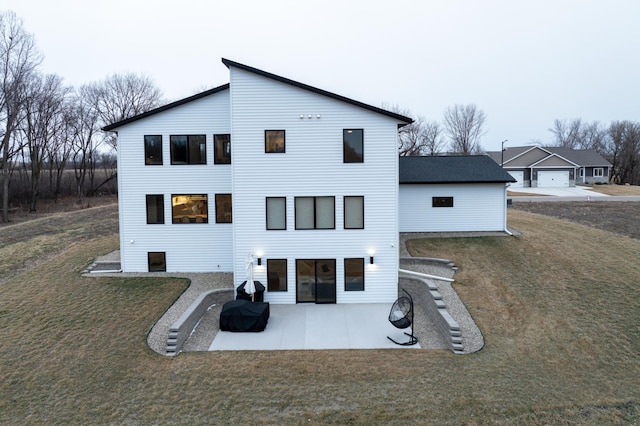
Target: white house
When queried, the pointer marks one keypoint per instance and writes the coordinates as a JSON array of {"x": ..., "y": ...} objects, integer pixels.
[
  {"x": 452, "y": 194},
  {"x": 304, "y": 180}
]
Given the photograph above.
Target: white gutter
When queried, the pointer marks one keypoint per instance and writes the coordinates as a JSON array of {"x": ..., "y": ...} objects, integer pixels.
[{"x": 434, "y": 277}]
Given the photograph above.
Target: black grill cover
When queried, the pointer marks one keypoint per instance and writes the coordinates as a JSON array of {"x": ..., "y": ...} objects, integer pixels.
[
  {"x": 257, "y": 297},
  {"x": 243, "y": 315}
]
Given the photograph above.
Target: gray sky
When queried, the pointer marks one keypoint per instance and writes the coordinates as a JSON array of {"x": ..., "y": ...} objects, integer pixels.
[{"x": 524, "y": 63}]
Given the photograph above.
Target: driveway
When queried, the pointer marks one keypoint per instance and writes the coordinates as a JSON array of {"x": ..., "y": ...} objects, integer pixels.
[{"x": 577, "y": 191}]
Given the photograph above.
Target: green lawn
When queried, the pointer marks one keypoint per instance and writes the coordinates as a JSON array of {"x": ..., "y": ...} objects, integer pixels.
[{"x": 559, "y": 308}]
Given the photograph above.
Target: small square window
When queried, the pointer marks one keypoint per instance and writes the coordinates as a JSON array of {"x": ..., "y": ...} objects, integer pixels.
[
  {"x": 152, "y": 150},
  {"x": 188, "y": 149},
  {"x": 155, "y": 209},
  {"x": 223, "y": 208},
  {"x": 222, "y": 149},
  {"x": 353, "y": 145},
  {"x": 276, "y": 213},
  {"x": 192, "y": 208},
  {"x": 277, "y": 274},
  {"x": 442, "y": 202},
  {"x": 354, "y": 274},
  {"x": 315, "y": 212},
  {"x": 274, "y": 141},
  {"x": 598, "y": 172},
  {"x": 157, "y": 261}
]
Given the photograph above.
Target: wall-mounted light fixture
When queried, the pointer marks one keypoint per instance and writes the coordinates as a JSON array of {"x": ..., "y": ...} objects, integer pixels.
[
  {"x": 370, "y": 257},
  {"x": 259, "y": 254}
]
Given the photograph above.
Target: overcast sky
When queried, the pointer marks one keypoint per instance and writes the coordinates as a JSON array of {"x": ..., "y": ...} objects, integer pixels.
[{"x": 524, "y": 63}]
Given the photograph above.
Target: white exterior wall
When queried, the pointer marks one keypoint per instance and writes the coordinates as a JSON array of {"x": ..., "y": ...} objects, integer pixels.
[
  {"x": 476, "y": 207},
  {"x": 189, "y": 247},
  {"x": 312, "y": 166}
]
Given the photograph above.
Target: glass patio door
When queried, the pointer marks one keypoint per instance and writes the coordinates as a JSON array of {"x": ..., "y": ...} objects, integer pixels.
[{"x": 315, "y": 280}]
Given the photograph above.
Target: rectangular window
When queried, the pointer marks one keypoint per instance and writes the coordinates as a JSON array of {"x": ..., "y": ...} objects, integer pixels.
[
  {"x": 354, "y": 274},
  {"x": 188, "y": 149},
  {"x": 274, "y": 141},
  {"x": 276, "y": 213},
  {"x": 277, "y": 274},
  {"x": 190, "y": 208},
  {"x": 315, "y": 212},
  {"x": 354, "y": 212},
  {"x": 223, "y": 208},
  {"x": 353, "y": 145},
  {"x": 152, "y": 150},
  {"x": 442, "y": 202},
  {"x": 581, "y": 172},
  {"x": 155, "y": 209},
  {"x": 598, "y": 172},
  {"x": 157, "y": 261},
  {"x": 222, "y": 149}
]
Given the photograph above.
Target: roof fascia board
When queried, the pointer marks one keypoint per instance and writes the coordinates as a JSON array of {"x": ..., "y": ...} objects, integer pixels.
[
  {"x": 399, "y": 117},
  {"x": 528, "y": 150},
  {"x": 553, "y": 155}
]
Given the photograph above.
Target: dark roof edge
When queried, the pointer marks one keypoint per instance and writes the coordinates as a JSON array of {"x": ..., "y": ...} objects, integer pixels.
[
  {"x": 393, "y": 115},
  {"x": 456, "y": 182},
  {"x": 166, "y": 107}
]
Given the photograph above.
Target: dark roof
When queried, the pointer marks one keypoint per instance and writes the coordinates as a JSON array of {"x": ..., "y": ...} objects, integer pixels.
[
  {"x": 166, "y": 107},
  {"x": 452, "y": 169},
  {"x": 393, "y": 115},
  {"x": 511, "y": 152},
  {"x": 582, "y": 157}
]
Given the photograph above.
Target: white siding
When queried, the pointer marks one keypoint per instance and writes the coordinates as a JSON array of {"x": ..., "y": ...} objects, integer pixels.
[
  {"x": 188, "y": 247},
  {"x": 312, "y": 166},
  {"x": 476, "y": 207}
]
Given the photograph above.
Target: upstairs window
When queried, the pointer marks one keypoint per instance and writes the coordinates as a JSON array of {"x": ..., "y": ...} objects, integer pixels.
[
  {"x": 353, "y": 145},
  {"x": 155, "y": 209},
  {"x": 315, "y": 212},
  {"x": 442, "y": 202},
  {"x": 274, "y": 141},
  {"x": 223, "y": 208},
  {"x": 354, "y": 212},
  {"x": 222, "y": 149},
  {"x": 276, "y": 213},
  {"x": 188, "y": 149},
  {"x": 192, "y": 208},
  {"x": 152, "y": 150}
]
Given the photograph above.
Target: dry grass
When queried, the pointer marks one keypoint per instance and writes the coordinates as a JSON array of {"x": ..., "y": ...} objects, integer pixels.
[
  {"x": 559, "y": 308},
  {"x": 621, "y": 190}
]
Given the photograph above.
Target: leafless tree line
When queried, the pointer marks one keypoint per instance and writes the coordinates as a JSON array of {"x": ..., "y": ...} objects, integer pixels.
[
  {"x": 619, "y": 142},
  {"x": 48, "y": 128}
]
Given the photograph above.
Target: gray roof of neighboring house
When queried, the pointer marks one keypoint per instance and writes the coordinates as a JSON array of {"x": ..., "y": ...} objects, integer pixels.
[
  {"x": 228, "y": 63},
  {"x": 452, "y": 169},
  {"x": 582, "y": 157}
]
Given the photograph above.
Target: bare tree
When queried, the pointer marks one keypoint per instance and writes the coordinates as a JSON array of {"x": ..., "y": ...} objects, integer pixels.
[
  {"x": 567, "y": 134},
  {"x": 464, "y": 125},
  {"x": 43, "y": 120},
  {"x": 121, "y": 96},
  {"x": 624, "y": 152},
  {"x": 433, "y": 141},
  {"x": 19, "y": 58}
]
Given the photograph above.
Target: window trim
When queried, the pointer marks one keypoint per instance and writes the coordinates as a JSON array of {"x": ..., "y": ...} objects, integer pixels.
[
  {"x": 188, "y": 162},
  {"x": 344, "y": 212},
  {"x": 284, "y": 142},
  {"x": 161, "y": 210},
  {"x": 442, "y": 202},
  {"x": 315, "y": 214},
  {"x": 344, "y": 146},
  {"x": 164, "y": 257},
  {"x": 230, "y": 207},
  {"x": 286, "y": 276},
  {"x": 601, "y": 169},
  {"x": 345, "y": 273},
  {"x": 216, "y": 159},
  {"x": 266, "y": 202},
  {"x": 146, "y": 156},
  {"x": 180, "y": 222}
]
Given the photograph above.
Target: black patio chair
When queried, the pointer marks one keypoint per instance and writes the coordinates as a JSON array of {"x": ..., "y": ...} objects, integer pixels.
[{"x": 401, "y": 316}]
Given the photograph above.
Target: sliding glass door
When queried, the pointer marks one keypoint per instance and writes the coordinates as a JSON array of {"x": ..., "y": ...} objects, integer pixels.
[{"x": 315, "y": 280}]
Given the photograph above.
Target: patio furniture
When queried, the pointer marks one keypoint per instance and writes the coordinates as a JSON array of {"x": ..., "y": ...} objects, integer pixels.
[
  {"x": 258, "y": 295},
  {"x": 401, "y": 316},
  {"x": 242, "y": 315}
]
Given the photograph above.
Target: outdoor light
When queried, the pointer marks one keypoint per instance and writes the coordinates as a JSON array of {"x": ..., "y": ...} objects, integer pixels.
[
  {"x": 370, "y": 257},
  {"x": 259, "y": 254}
]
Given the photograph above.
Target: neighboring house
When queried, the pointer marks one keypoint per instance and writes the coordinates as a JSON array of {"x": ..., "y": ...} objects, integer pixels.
[
  {"x": 303, "y": 179},
  {"x": 535, "y": 166},
  {"x": 452, "y": 193}
]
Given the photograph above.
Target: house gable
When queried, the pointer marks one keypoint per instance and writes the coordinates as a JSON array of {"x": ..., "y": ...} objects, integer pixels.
[
  {"x": 526, "y": 158},
  {"x": 554, "y": 160}
]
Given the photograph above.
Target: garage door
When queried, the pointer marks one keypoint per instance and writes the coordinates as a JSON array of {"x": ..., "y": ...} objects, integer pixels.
[
  {"x": 553, "y": 179},
  {"x": 519, "y": 176}
]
